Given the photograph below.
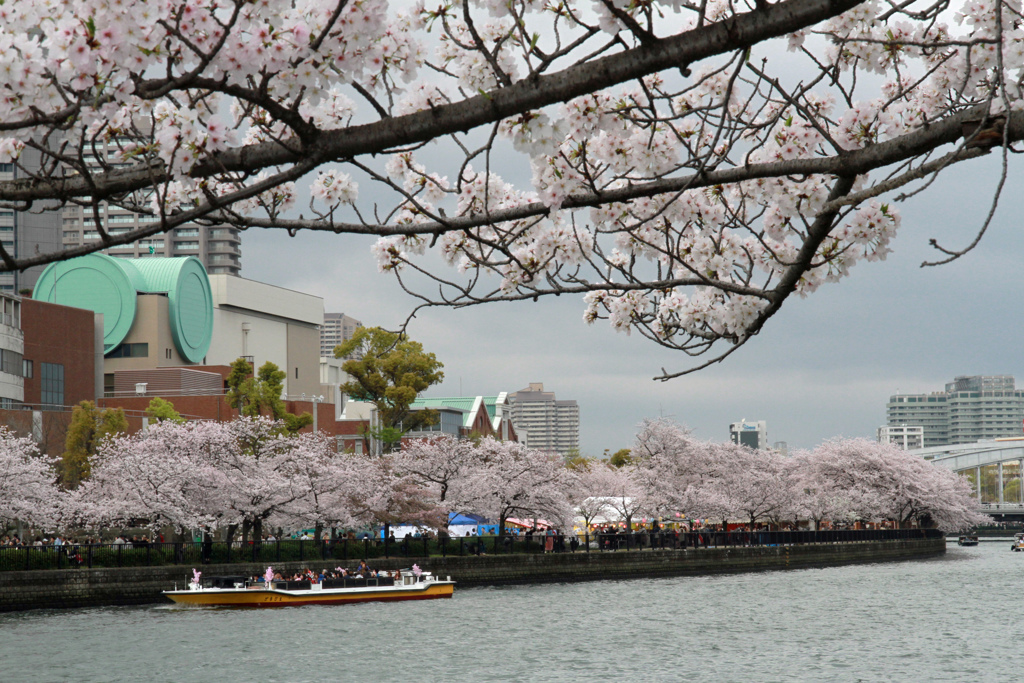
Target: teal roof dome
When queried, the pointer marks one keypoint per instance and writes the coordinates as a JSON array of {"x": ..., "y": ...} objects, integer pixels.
[{"x": 108, "y": 285}]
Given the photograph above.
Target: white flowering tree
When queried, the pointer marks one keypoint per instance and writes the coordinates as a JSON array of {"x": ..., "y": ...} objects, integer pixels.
[
  {"x": 326, "y": 482},
  {"x": 507, "y": 479},
  {"x": 166, "y": 476},
  {"x": 28, "y": 489},
  {"x": 880, "y": 481},
  {"x": 688, "y": 174},
  {"x": 817, "y": 481}
]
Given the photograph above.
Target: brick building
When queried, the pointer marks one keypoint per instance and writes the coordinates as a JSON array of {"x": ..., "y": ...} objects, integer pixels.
[{"x": 63, "y": 358}]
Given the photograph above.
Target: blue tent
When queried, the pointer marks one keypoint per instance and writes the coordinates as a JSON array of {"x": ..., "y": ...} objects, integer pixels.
[{"x": 465, "y": 518}]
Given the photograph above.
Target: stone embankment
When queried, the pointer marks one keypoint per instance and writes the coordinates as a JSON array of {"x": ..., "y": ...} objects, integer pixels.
[{"x": 142, "y": 585}]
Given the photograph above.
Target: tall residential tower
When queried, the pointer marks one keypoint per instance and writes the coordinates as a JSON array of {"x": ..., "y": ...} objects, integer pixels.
[
  {"x": 337, "y": 328},
  {"x": 544, "y": 422}
]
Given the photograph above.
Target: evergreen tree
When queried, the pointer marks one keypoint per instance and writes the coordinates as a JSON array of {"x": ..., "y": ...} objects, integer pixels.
[
  {"x": 89, "y": 427},
  {"x": 161, "y": 410},
  {"x": 390, "y": 371},
  {"x": 259, "y": 395}
]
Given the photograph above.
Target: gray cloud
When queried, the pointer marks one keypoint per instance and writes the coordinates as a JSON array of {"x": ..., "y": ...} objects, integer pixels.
[{"x": 822, "y": 367}]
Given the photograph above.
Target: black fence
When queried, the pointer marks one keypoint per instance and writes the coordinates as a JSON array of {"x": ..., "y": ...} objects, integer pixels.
[{"x": 342, "y": 550}]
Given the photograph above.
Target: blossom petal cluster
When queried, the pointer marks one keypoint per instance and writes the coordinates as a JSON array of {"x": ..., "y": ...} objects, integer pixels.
[{"x": 540, "y": 148}]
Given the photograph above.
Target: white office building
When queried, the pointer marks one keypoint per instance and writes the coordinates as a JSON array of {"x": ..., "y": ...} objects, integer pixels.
[
  {"x": 971, "y": 409},
  {"x": 263, "y": 323},
  {"x": 907, "y": 437},
  {"x": 750, "y": 434}
]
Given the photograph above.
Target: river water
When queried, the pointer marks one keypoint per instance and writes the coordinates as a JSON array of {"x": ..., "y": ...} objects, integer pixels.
[{"x": 953, "y": 618}]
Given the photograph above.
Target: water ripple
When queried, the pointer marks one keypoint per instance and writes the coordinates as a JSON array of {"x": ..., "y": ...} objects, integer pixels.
[{"x": 945, "y": 619}]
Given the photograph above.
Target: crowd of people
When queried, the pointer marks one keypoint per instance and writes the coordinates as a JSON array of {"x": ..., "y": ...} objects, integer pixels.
[
  {"x": 363, "y": 571},
  {"x": 57, "y": 541}
]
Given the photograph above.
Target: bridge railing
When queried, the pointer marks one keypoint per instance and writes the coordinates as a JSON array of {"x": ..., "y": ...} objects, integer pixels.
[{"x": 72, "y": 556}]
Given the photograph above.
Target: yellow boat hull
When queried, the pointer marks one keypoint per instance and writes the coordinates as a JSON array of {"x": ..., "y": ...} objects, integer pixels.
[{"x": 258, "y": 597}]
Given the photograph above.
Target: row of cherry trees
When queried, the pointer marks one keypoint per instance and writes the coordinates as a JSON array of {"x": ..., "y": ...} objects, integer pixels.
[{"x": 249, "y": 473}]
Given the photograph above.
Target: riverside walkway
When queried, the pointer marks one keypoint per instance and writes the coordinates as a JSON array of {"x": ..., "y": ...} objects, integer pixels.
[{"x": 76, "y": 556}]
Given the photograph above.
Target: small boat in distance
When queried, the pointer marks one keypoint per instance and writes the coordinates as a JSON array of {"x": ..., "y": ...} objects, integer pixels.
[
  {"x": 238, "y": 591},
  {"x": 967, "y": 539},
  {"x": 1018, "y": 543}
]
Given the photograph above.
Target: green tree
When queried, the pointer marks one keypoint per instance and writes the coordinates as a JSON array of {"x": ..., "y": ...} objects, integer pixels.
[
  {"x": 390, "y": 370},
  {"x": 576, "y": 461},
  {"x": 261, "y": 394},
  {"x": 89, "y": 427},
  {"x": 161, "y": 410},
  {"x": 620, "y": 458}
]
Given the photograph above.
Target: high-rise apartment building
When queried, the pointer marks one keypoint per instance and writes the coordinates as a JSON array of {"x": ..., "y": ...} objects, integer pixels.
[
  {"x": 971, "y": 409},
  {"x": 543, "y": 422},
  {"x": 751, "y": 434},
  {"x": 906, "y": 437},
  {"x": 26, "y": 233},
  {"x": 218, "y": 247},
  {"x": 337, "y": 328}
]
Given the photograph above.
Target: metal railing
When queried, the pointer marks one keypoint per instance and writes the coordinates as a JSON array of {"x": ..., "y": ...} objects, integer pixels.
[{"x": 70, "y": 556}]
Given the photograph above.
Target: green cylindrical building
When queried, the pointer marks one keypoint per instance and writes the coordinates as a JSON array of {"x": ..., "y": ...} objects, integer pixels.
[{"x": 108, "y": 285}]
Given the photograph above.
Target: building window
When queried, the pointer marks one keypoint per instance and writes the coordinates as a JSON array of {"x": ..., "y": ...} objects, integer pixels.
[
  {"x": 296, "y": 373},
  {"x": 52, "y": 384},
  {"x": 26, "y": 369},
  {"x": 10, "y": 362},
  {"x": 129, "y": 351}
]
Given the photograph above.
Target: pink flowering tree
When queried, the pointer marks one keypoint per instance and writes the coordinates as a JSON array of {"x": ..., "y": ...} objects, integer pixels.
[
  {"x": 688, "y": 176},
  {"x": 625, "y": 494},
  {"x": 754, "y": 481},
  {"x": 682, "y": 474},
  {"x": 507, "y": 479},
  {"x": 817, "y": 480},
  {"x": 439, "y": 465},
  {"x": 259, "y": 469},
  {"x": 382, "y": 492},
  {"x": 28, "y": 490},
  {"x": 588, "y": 491},
  {"x": 164, "y": 476},
  {"x": 882, "y": 482},
  {"x": 326, "y": 481}
]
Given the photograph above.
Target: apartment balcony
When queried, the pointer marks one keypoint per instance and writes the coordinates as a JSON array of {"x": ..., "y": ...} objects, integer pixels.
[
  {"x": 224, "y": 235},
  {"x": 220, "y": 247}
]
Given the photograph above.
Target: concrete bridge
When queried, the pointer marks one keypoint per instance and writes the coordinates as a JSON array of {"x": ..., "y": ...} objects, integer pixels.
[{"x": 995, "y": 468}]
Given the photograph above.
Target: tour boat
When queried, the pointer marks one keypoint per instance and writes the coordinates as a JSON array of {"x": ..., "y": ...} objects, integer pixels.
[
  {"x": 234, "y": 591},
  {"x": 1018, "y": 543},
  {"x": 968, "y": 540}
]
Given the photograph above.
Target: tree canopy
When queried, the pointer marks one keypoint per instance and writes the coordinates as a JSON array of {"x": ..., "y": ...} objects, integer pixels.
[
  {"x": 260, "y": 394},
  {"x": 390, "y": 371},
  {"x": 160, "y": 409},
  {"x": 90, "y": 427},
  {"x": 246, "y": 472},
  {"x": 688, "y": 174}
]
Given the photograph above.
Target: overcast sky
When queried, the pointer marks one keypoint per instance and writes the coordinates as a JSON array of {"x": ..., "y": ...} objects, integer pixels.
[{"x": 822, "y": 367}]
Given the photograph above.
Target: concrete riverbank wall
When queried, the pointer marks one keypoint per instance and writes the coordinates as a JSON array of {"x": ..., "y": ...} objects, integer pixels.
[{"x": 141, "y": 585}]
